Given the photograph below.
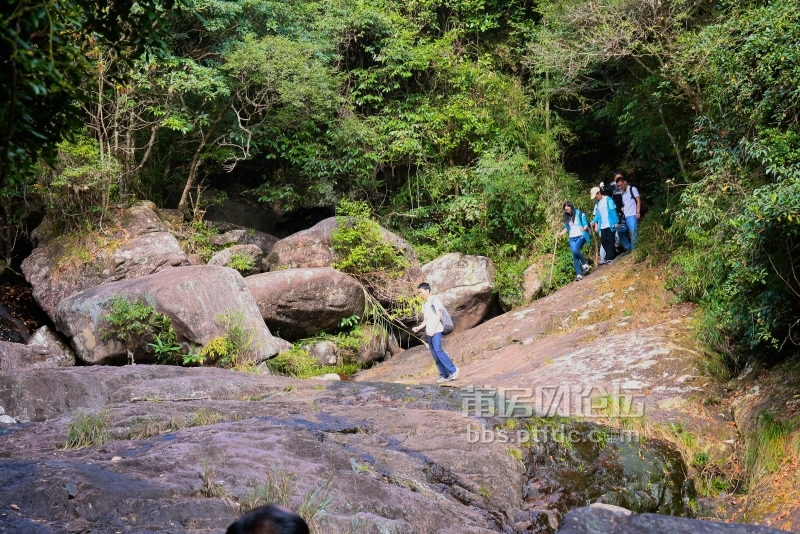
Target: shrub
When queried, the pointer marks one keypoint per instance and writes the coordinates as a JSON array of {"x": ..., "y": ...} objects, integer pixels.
[
  {"x": 244, "y": 263},
  {"x": 130, "y": 322},
  {"x": 360, "y": 246},
  {"x": 81, "y": 185},
  {"x": 88, "y": 430},
  {"x": 234, "y": 348},
  {"x": 293, "y": 362}
]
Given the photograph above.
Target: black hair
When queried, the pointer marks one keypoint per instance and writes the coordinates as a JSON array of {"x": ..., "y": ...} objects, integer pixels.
[
  {"x": 568, "y": 218},
  {"x": 424, "y": 285},
  {"x": 269, "y": 519},
  {"x": 618, "y": 173}
]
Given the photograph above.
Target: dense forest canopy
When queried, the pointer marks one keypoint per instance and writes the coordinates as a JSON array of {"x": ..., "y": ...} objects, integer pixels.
[{"x": 463, "y": 123}]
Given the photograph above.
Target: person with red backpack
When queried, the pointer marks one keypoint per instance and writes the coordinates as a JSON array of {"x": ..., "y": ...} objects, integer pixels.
[{"x": 436, "y": 322}]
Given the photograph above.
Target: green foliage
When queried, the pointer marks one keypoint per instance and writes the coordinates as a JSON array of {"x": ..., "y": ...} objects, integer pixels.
[
  {"x": 235, "y": 348},
  {"x": 765, "y": 447},
  {"x": 88, "y": 430},
  {"x": 294, "y": 362},
  {"x": 740, "y": 222},
  {"x": 79, "y": 187},
  {"x": 132, "y": 322},
  {"x": 360, "y": 246},
  {"x": 244, "y": 263},
  {"x": 45, "y": 48},
  {"x": 277, "y": 488}
]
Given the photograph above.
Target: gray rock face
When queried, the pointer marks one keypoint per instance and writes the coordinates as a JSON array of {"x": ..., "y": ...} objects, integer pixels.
[
  {"x": 45, "y": 350},
  {"x": 306, "y": 249},
  {"x": 324, "y": 352},
  {"x": 301, "y": 302},
  {"x": 602, "y": 520},
  {"x": 193, "y": 297},
  {"x": 532, "y": 282},
  {"x": 241, "y": 236},
  {"x": 313, "y": 248},
  {"x": 59, "y": 354},
  {"x": 223, "y": 257},
  {"x": 61, "y": 266},
  {"x": 416, "y": 470},
  {"x": 375, "y": 344},
  {"x": 465, "y": 284}
]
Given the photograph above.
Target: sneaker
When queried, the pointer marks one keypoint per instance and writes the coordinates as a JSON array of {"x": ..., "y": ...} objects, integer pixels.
[
  {"x": 454, "y": 375},
  {"x": 585, "y": 268},
  {"x": 578, "y": 278},
  {"x": 442, "y": 379}
]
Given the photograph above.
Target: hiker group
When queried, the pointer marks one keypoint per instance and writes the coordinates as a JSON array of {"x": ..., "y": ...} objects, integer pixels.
[{"x": 617, "y": 211}]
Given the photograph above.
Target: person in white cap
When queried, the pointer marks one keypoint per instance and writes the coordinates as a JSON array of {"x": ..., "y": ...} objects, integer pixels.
[{"x": 605, "y": 222}]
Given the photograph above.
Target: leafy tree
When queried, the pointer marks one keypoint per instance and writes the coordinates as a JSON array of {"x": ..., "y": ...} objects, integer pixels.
[{"x": 43, "y": 45}]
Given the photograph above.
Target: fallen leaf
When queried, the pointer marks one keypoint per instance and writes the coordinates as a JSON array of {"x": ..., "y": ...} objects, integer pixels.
[
  {"x": 14, "y": 507},
  {"x": 116, "y": 458}
]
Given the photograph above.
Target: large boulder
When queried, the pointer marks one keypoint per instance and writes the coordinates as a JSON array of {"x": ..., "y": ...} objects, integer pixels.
[
  {"x": 374, "y": 344},
  {"x": 194, "y": 298},
  {"x": 298, "y": 303},
  {"x": 533, "y": 281},
  {"x": 232, "y": 235},
  {"x": 314, "y": 248},
  {"x": 306, "y": 249},
  {"x": 223, "y": 258},
  {"x": 614, "y": 520},
  {"x": 465, "y": 284},
  {"x": 136, "y": 245},
  {"x": 45, "y": 350}
]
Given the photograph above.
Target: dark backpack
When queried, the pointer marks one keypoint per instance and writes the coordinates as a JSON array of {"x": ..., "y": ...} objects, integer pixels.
[
  {"x": 447, "y": 321},
  {"x": 620, "y": 204}
]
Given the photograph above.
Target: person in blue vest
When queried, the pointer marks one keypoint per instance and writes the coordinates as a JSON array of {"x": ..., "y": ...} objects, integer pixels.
[
  {"x": 605, "y": 222},
  {"x": 577, "y": 226}
]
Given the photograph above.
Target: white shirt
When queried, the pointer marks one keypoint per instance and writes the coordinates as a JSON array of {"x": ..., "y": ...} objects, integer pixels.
[
  {"x": 431, "y": 315},
  {"x": 575, "y": 229},
  {"x": 602, "y": 205},
  {"x": 629, "y": 201}
]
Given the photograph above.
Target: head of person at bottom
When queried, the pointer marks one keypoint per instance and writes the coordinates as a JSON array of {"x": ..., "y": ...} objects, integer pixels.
[
  {"x": 271, "y": 519},
  {"x": 424, "y": 290}
]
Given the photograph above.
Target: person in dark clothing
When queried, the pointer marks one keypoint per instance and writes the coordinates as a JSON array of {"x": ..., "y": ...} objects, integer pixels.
[
  {"x": 271, "y": 519},
  {"x": 605, "y": 222}
]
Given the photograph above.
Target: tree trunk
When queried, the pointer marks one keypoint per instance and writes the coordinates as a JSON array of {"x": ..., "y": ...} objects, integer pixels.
[
  {"x": 196, "y": 161},
  {"x": 672, "y": 140}
]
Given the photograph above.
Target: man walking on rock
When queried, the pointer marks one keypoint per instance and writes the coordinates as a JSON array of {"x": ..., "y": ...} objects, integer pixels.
[
  {"x": 605, "y": 222},
  {"x": 432, "y": 323},
  {"x": 632, "y": 211}
]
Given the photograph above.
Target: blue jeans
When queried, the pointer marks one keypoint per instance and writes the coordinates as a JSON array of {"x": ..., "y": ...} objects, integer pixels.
[
  {"x": 578, "y": 259},
  {"x": 443, "y": 363},
  {"x": 631, "y": 225}
]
